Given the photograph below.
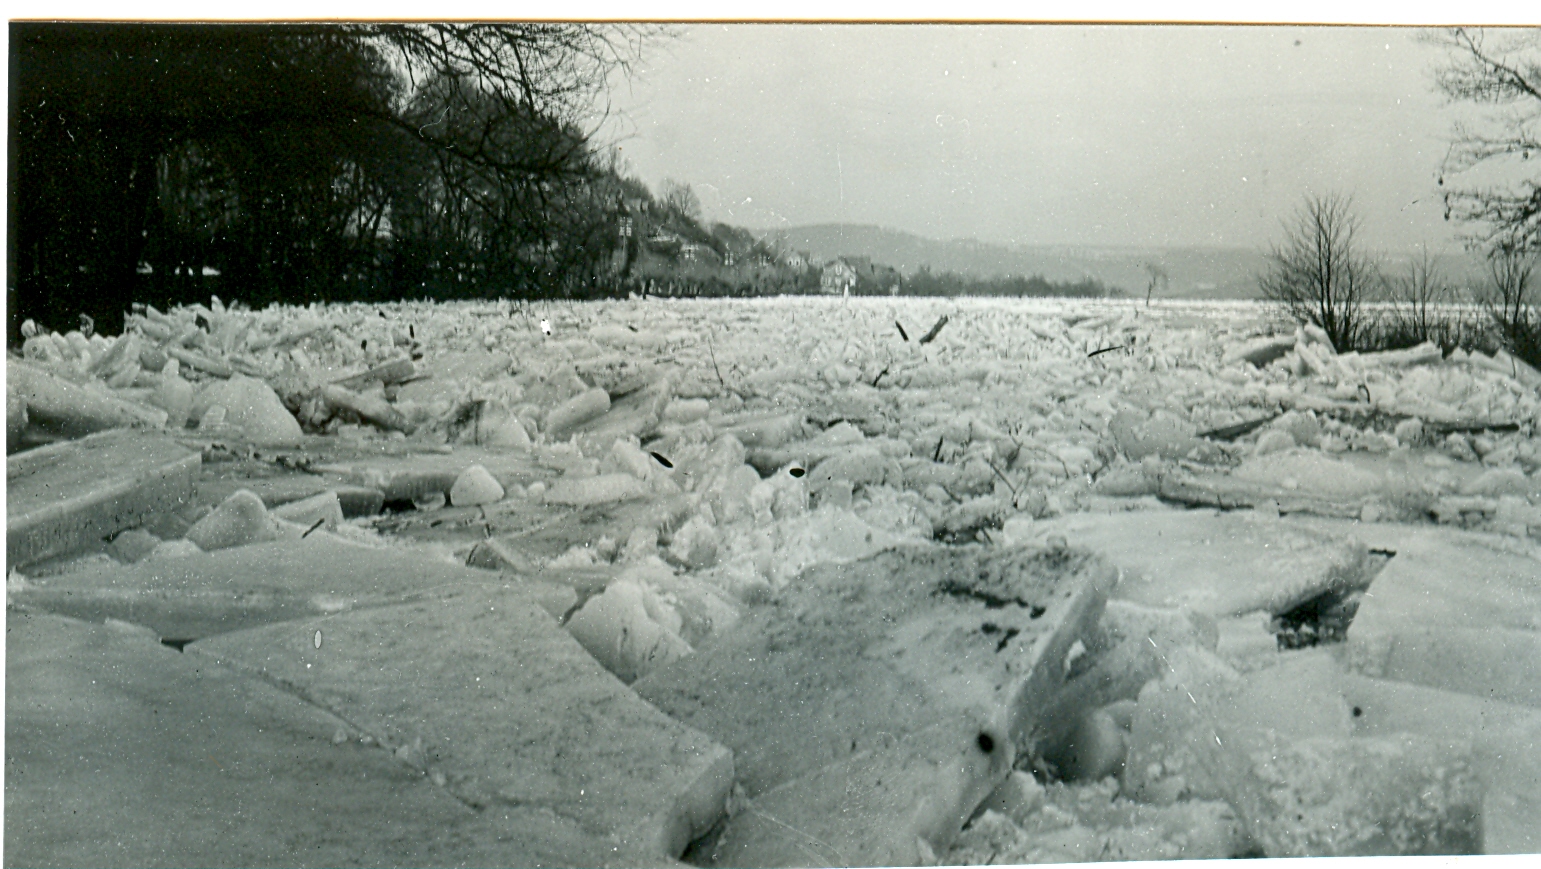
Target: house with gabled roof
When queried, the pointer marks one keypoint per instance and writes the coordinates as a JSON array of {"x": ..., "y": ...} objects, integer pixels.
[{"x": 838, "y": 277}]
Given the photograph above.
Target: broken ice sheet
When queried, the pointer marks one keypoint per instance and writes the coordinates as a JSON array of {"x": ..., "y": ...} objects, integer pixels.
[{"x": 849, "y": 441}]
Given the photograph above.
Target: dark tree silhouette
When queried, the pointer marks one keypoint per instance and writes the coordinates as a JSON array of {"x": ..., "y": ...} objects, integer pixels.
[
  {"x": 120, "y": 133},
  {"x": 1508, "y": 302},
  {"x": 304, "y": 161},
  {"x": 1158, "y": 278},
  {"x": 1500, "y": 69},
  {"x": 1320, "y": 275},
  {"x": 679, "y": 198}
]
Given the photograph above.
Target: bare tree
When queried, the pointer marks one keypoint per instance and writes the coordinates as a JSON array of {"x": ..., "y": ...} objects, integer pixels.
[
  {"x": 496, "y": 74},
  {"x": 1507, "y": 301},
  {"x": 1509, "y": 270},
  {"x": 1420, "y": 292},
  {"x": 680, "y": 199},
  {"x": 1158, "y": 277},
  {"x": 1319, "y": 275},
  {"x": 1501, "y": 70}
]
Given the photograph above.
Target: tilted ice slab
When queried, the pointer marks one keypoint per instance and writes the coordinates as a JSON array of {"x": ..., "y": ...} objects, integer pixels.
[
  {"x": 842, "y": 674},
  {"x": 486, "y": 693}
]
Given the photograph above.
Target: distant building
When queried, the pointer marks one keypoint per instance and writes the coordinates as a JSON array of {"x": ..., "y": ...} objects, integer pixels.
[
  {"x": 838, "y": 277},
  {"x": 693, "y": 252},
  {"x": 795, "y": 259}
]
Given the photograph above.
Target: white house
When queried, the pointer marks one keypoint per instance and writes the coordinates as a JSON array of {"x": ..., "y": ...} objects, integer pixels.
[{"x": 838, "y": 277}]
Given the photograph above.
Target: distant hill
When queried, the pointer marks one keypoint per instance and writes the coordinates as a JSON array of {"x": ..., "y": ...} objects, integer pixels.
[{"x": 1192, "y": 272}]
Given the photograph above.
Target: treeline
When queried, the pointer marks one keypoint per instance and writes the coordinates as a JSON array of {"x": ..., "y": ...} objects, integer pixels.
[
  {"x": 926, "y": 283},
  {"x": 163, "y": 162},
  {"x": 871, "y": 281},
  {"x": 686, "y": 287},
  {"x": 680, "y": 283}
]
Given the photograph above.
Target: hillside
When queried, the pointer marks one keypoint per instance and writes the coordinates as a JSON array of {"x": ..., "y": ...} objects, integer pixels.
[{"x": 1193, "y": 272}]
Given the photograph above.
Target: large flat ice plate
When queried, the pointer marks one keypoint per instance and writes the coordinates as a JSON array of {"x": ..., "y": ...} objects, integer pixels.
[
  {"x": 1306, "y": 481},
  {"x": 1454, "y": 579},
  {"x": 73, "y": 494},
  {"x": 1220, "y": 564},
  {"x": 209, "y": 593},
  {"x": 1453, "y": 610},
  {"x": 121, "y": 752},
  {"x": 488, "y": 691}
]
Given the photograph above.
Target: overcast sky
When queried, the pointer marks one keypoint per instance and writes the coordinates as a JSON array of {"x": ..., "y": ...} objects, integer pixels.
[{"x": 1107, "y": 135}]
